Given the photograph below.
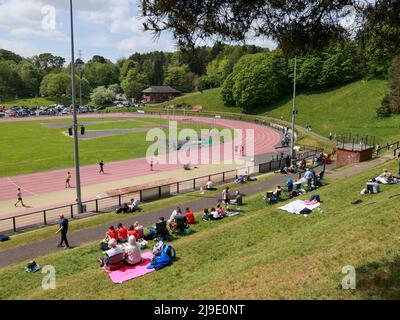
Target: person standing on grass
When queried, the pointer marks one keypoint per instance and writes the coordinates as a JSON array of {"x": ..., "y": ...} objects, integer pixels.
[
  {"x": 19, "y": 197},
  {"x": 101, "y": 164},
  {"x": 67, "y": 180},
  {"x": 63, "y": 230},
  {"x": 330, "y": 136}
]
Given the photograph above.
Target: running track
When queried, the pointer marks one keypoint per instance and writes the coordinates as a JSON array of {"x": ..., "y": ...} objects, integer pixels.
[{"x": 265, "y": 141}]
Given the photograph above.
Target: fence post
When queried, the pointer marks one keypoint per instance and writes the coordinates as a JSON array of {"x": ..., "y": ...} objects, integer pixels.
[
  {"x": 223, "y": 177},
  {"x": 72, "y": 211},
  {"x": 194, "y": 184},
  {"x": 177, "y": 187},
  {"x": 141, "y": 196},
  {"x": 44, "y": 217},
  {"x": 119, "y": 200},
  {"x": 97, "y": 205},
  {"x": 14, "y": 225}
]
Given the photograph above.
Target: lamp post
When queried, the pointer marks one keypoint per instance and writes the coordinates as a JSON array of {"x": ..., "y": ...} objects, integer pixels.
[
  {"x": 80, "y": 64},
  {"x": 75, "y": 116},
  {"x": 294, "y": 111}
]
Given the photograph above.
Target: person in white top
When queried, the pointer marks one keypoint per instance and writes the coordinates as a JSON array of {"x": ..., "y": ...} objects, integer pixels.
[
  {"x": 209, "y": 185},
  {"x": 226, "y": 197},
  {"x": 132, "y": 252},
  {"x": 176, "y": 212}
]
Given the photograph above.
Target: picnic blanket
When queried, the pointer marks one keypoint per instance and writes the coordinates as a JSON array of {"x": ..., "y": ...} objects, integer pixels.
[
  {"x": 128, "y": 273},
  {"x": 297, "y": 206}
]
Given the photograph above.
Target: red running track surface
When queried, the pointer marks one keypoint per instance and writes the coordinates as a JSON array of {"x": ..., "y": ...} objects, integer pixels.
[{"x": 45, "y": 182}]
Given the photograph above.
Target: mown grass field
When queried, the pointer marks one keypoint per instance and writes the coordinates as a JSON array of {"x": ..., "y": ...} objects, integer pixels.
[
  {"x": 263, "y": 254},
  {"x": 28, "y": 146}
]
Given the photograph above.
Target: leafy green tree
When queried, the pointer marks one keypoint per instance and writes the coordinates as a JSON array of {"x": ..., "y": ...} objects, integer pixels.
[
  {"x": 56, "y": 85},
  {"x": 134, "y": 83},
  {"x": 31, "y": 77},
  {"x": 309, "y": 71},
  {"x": 257, "y": 80},
  {"x": 179, "y": 78},
  {"x": 6, "y": 55},
  {"x": 102, "y": 96},
  {"x": 48, "y": 62},
  {"x": 101, "y": 74},
  {"x": 392, "y": 101},
  {"x": 10, "y": 81}
]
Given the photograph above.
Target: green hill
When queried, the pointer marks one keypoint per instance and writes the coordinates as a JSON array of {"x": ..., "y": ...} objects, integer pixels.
[
  {"x": 347, "y": 109},
  {"x": 263, "y": 254}
]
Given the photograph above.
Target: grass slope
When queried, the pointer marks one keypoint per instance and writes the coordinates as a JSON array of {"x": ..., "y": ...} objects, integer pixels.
[
  {"x": 350, "y": 108},
  {"x": 263, "y": 254}
]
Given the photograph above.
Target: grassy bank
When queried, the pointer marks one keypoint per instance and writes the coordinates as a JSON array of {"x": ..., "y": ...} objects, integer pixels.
[{"x": 263, "y": 254}]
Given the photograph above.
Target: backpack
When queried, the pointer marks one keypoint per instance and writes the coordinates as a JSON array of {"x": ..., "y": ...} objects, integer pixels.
[
  {"x": 32, "y": 267},
  {"x": 4, "y": 238},
  {"x": 170, "y": 250}
]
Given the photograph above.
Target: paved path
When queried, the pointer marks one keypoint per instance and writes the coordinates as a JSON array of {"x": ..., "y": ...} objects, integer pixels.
[
  {"x": 42, "y": 184},
  {"x": 360, "y": 167}
]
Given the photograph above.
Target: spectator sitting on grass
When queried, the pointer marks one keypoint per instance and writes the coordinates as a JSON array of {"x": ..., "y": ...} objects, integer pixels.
[
  {"x": 210, "y": 185},
  {"x": 132, "y": 252},
  {"x": 140, "y": 229},
  {"x": 220, "y": 211},
  {"x": 277, "y": 193},
  {"x": 114, "y": 257},
  {"x": 133, "y": 232},
  {"x": 190, "y": 216},
  {"x": 214, "y": 215},
  {"x": 112, "y": 234},
  {"x": 122, "y": 233},
  {"x": 385, "y": 178},
  {"x": 134, "y": 205},
  {"x": 176, "y": 212},
  {"x": 238, "y": 198}
]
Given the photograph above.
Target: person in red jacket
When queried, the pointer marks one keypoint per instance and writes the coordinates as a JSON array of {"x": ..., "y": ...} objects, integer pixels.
[
  {"x": 190, "y": 216},
  {"x": 112, "y": 234},
  {"x": 123, "y": 233},
  {"x": 133, "y": 232}
]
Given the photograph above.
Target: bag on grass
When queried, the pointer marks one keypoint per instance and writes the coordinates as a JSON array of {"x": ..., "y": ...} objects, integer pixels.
[
  {"x": 4, "y": 238},
  {"x": 32, "y": 267}
]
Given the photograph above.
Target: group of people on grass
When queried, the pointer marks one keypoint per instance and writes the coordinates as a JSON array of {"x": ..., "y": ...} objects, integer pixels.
[{"x": 385, "y": 178}]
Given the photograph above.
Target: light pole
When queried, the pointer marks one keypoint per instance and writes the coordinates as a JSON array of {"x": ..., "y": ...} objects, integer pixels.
[
  {"x": 294, "y": 110},
  {"x": 75, "y": 116},
  {"x": 80, "y": 64}
]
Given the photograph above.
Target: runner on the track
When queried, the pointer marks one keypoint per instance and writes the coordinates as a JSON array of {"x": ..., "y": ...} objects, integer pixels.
[
  {"x": 67, "y": 180},
  {"x": 101, "y": 164},
  {"x": 19, "y": 197}
]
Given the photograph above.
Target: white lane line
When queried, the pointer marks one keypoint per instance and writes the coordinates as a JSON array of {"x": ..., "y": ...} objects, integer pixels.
[{"x": 12, "y": 182}]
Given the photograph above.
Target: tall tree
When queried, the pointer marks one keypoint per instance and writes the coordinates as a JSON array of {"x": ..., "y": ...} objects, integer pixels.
[
  {"x": 48, "y": 62},
  {"x": 294, "y": 25}
]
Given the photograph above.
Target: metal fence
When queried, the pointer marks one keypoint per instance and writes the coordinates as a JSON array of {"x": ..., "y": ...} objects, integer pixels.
[{"x": 108, "y": 204}]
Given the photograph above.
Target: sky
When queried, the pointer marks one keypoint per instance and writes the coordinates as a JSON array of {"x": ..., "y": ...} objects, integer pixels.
[{"x": 110, "y": 28}]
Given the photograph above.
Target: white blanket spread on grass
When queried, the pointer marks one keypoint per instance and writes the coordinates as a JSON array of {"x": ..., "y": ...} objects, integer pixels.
[{"x": 297, "y": 206}]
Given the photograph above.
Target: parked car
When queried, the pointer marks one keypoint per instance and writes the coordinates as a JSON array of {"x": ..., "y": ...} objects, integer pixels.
[
  {"x": 2, "y": 114},
  {"x": 10, "y": 113}
]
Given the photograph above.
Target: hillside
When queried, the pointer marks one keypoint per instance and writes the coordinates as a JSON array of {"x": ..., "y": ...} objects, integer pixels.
[
  {"x": 347, "y": 109},
  {"x": 263, "y": 254}
]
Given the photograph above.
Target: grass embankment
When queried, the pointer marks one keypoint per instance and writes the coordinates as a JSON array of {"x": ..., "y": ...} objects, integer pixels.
[
  {"x": 29, "y": 146},
  {"x": 350, "y": 108},
  {"x": 262, "y": 254}
]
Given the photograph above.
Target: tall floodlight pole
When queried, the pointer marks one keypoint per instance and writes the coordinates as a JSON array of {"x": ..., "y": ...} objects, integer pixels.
[
  {"x": 80, "y": 66},
  {"x": 294, "y": 111},
  {"x": 75, "y": 119}
]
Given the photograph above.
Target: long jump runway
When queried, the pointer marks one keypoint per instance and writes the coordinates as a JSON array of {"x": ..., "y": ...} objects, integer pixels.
[{"x": 40, "y": 184}]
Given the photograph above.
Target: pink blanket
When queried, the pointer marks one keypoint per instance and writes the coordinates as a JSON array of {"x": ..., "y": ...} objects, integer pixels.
[{"x": 128, "y": 273}]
